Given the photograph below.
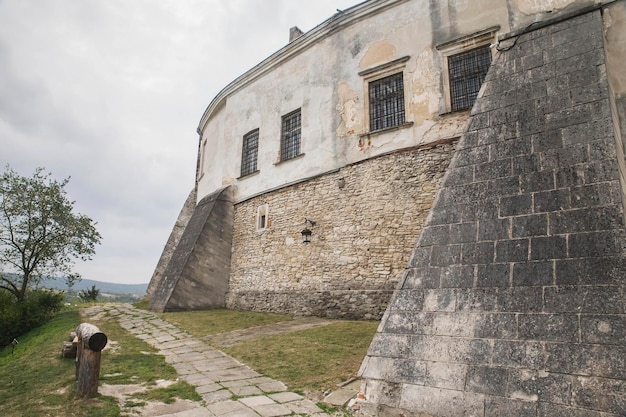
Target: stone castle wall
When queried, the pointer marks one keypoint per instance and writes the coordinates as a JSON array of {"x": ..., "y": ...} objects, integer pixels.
[
  {"x": 367, "y": 218},
  {"x": 513, "y": 302}
]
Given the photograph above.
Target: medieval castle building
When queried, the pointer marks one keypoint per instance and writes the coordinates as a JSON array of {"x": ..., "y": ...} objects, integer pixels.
[{"x": 455, "y": 167}]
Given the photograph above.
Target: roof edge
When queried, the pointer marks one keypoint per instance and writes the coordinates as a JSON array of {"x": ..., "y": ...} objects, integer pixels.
[{"x": 325, "y": 29}]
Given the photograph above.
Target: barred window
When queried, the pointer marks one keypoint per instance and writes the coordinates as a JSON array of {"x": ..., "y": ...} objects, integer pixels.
[
  {"x": 249, "y": 153},
  {"x": 290, "y": 136},
  {"x": 386, "y": 98},
  {"x": 467, "y": 72}
]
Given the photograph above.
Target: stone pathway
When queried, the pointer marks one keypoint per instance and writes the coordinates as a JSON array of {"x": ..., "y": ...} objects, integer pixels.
[{"x": 228, "y": 387}]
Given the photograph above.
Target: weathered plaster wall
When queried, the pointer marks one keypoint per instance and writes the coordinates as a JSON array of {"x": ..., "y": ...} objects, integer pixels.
[
  {"x": 322, "y": 78},
  {"x": 512, "y": 304},
  {"x": 368, "y": 216}
]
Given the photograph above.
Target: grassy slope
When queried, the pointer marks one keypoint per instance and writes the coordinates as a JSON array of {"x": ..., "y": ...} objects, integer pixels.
[
  {"x": 309, "y": 360},
  {"x": 36, "y": 381}
]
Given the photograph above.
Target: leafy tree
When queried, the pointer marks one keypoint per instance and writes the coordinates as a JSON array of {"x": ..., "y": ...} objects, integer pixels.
[
  {"x": 40, "y": 235},
  {"x": 89, "y": 295}
]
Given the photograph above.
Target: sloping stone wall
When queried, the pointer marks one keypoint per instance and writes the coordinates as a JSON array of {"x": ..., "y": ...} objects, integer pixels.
[
  {"x": 367, "y": 218},
  {"x": 197, "y": 274},
  {"x": 513, "y": 304},
  {"x": 168, "y": 251}
]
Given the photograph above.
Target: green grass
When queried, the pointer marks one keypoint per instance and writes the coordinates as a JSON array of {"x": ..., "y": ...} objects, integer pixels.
[
  {"x": 209, "y": 322},
  {"x": 310, "y": 360},
  {"x": 36, "y": 381}
]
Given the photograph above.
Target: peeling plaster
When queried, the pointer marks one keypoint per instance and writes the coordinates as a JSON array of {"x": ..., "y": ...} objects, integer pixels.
[
  {"x": 377, "y": 53},
  {"x": 425, "y": 88},
  {"x": 350, "y": 110}
]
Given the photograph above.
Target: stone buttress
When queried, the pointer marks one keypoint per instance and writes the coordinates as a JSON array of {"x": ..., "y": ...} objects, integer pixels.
[
  {"x": 198, "y": 271},
  {"x": 513, "y": 301}
]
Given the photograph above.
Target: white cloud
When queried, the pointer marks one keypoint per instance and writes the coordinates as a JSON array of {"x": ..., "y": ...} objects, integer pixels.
[{"x": 110, "y": 92}]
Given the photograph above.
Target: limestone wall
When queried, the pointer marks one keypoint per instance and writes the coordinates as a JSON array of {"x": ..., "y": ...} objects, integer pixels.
[
  {"x": 513, "y": 302},
  {"x": 367, "y": 218}
]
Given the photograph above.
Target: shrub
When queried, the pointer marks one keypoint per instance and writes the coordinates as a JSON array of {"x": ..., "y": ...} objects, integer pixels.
[{"x": 18, "y": 317}]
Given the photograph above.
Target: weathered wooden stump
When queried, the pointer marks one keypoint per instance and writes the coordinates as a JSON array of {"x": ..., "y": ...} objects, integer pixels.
[{"x": 91, "y": 341}]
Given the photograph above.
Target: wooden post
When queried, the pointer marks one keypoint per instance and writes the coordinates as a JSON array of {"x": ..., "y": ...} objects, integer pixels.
[{"x": 90, "y": 342}]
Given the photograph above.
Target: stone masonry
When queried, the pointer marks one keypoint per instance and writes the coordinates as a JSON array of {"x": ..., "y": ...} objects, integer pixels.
[
  {"x": 196, "y": 276},
  {"x": 513, "y": 302},
  {"x": 367, "y": 218}
]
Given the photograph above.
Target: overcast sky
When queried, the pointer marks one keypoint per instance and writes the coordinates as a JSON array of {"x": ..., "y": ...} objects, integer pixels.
[{"x": 110, "y": 92}]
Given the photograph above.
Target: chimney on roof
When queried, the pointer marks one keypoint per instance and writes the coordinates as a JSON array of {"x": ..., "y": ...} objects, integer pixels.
[{"x": 295, "y": 33}]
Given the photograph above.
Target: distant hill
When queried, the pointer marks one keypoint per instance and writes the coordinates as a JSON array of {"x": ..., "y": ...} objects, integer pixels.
[{"x": 104, "y": 287}]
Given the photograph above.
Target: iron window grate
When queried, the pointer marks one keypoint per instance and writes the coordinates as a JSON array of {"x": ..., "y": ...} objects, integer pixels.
[
  {"x": 250, "y": 152},
  {"x": 291, "y": 135},
  {"x": 386, "y": 97},
  {"x": 467, "y": 72}
]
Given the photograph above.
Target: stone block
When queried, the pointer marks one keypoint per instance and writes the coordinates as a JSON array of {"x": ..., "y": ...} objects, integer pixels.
[
  {"x": 463, "y": 232},
  {"x": 518, "y": 354},
  {"x": 586, "y": 220},
  {"x": 505, "y": 407},
  {"x": 476, "y": 299},
  {"x": 538, "y": 181},
  {"x": 408, "y": 300},
  {"x": 583, "y": 299},
  {"x": 426, "y": 277},
  {"x": 477, "y": 253},
  {"x": 538, "y": 273},
  {"x": 488, "y": 209},
  {"x": 435, "y": 235},
  {"x": 395, "y": 370},
  {"x": 444, "y": 402},
  {"x": 601, "y": 394},
  {"x": 512, "y": 147},
  {"x": 520, "y": 299},
  {"x": 459, "y": 176},
  {"x": 392, "y": 346},
  {"x": 549, "y": 201},
  {"x": 487, "y": 380},
  {"x": 549, "y": 327},
  {"x": 594, "y": 244},
  {"x": 603, "y": 329},
  {"x": 548, "y": 247},
  {"x": 446, "y": 375},
  {"x": 591, "y": 195},
  {"x": 494, "y": 229},
  {"x": 506, "y": 185},
  {"x": 440, "y": 299},
  {"x": 445, "y": 255},
  {"x": 551, "y": 410},
  {"x": 590, "y": 271},
  {"x": 526, "y": 163},
  {"x": 533, "y": 225},
  {"x": 568, "y": 117},
  {"x": 540, "y": 386},
  {"x": 544, "y": 141},
  {"x": 496, "y": 326},
  {"x": 457, "y": 277},
  {"x": 493, "y": 275},
  {"x": 383, "y": 393},
  {"x": 516, "y": 205},
  {"x": 454, "y": 324},
  {"x": 496, "y": 169},
  {"x": 514, "y": 250},
  {"x": 600, "y": 171}
]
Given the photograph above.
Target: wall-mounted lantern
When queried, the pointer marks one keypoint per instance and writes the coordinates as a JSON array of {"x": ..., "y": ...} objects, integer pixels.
[{"x": 306, "y": 232}]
